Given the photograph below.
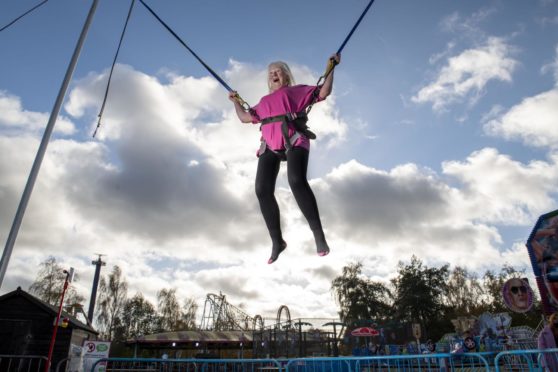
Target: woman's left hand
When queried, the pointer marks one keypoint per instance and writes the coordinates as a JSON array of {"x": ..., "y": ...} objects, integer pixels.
[{"x": 336, "y": 58}]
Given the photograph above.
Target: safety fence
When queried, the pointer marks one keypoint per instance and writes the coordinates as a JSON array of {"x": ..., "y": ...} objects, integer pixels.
[
  {"x": 186, "y": 365},
  {"x": 516, "y": 361},
  {"x": 527, "y": 360},
  {"x": 22, "y": 363},
  {"x": 431, "y": 362}
]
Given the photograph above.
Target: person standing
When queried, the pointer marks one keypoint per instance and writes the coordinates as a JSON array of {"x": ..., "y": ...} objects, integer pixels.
[{"x": 548, "y": 339}]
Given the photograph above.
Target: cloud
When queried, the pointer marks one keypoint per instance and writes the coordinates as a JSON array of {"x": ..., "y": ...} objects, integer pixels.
[
  {"x": 533, "y": 121},
  {"x": 170, "y": 175},
  {"x": 466, "y": 75},
  {"x": 467, "y": 27},
  {"x": 411, "y": 209},
  {"x": 529, "y": 188},
  {"x": 166, "y": 191},
  {"x": 15, "y": 119},
  {"x": 552, "y": 67}
]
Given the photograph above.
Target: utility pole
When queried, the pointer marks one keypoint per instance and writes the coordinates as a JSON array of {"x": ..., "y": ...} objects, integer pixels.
[{"x": 98, "y": 265}]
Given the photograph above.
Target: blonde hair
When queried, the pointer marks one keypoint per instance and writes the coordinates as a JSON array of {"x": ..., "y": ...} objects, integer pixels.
[{"x": 286, "y": 70}]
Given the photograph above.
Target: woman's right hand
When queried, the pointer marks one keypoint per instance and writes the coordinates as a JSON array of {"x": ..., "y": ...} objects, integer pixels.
[{"x": 233, "y": 95}]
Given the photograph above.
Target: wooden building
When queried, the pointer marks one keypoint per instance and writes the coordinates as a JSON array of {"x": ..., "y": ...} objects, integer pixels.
[{"x": 27, "y": 323}]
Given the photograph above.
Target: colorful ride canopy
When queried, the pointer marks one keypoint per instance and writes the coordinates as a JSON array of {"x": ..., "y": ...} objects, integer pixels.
[{"x": 542, "y": 246}]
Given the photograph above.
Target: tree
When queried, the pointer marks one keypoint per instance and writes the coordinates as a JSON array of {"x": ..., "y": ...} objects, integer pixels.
[
  {"x": 419, "y": 294},
  {"x": 189, "y": 310},
  {"x": 465, "y": 294},
  {"x": 112, "y": 297},
  {"x": 138, "y": 317},
  {"x": 49, "y": 283},
  {"x": 358, "y": 297},
  {"x": 169, "y": 310}
]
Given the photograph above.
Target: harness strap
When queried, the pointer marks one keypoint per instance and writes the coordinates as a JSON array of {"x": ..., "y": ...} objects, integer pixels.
[
  {"x": 291, "y": 116},
  {"x": 299, "y": 120}
]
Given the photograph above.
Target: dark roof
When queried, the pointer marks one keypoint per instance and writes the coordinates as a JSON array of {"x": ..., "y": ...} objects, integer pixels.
[
  {"x": 194, "y": 336},
  {"x": 75, "y": 322}
]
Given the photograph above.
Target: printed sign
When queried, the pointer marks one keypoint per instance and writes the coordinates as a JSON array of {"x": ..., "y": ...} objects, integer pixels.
[
  {"x": 542, "y": 246},
  {"x": 94, "y": 351}
]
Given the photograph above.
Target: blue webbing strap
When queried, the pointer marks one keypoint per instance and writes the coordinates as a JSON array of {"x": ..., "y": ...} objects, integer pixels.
[
  {"x": 355, "y": 27},
  {"x": 187, "y": 47}
]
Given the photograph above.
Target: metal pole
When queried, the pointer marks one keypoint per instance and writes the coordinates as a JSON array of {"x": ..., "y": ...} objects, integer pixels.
[
  {"x": 42, "y": 148},
  {"x": 55, "y": 330},
  {"x": 93, "y": 298}
]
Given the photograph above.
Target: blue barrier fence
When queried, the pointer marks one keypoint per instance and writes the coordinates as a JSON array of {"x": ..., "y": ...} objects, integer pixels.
[{"x": 513, "y": 360}]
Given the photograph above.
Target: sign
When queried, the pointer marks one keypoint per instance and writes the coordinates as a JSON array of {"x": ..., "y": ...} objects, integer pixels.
[
  {"x": 94, "y": 351},
  {"x": 542, "y": 246},
  {"x": 518, "y": 295},
  {"x": 416, "y": 330}
]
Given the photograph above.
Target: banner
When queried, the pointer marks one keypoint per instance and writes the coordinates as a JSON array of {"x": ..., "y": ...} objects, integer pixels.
[{"x": 542, "y": 246}]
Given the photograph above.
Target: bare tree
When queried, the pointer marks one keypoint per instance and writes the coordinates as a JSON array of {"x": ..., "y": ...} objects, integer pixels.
[
  {"x": 465, "y": 293},
  {"x": 169, "y": 309},
  {"x": 188, "y": 320},
  {"x": 112, "y": 298},
  {"x": 49, "y": 283}
]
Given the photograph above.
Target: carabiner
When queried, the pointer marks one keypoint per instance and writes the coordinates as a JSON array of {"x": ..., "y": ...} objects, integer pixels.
[{"x": 242, "y": 102}]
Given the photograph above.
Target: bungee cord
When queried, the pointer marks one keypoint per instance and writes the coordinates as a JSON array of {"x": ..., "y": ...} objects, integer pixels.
[
  {"x": 354, "y": 27},
  {"x": 332, "y": 62},
  {"x": 240, "y": 100},
  {"x": 112, "y": 68},
  {"x": 330, "y": 67},
  {"x": 23, "y": 15}
]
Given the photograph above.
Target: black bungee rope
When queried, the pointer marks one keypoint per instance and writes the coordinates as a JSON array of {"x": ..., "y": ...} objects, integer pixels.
[
  {"x": 23, "y": 15},
  {"x": 240, "y": 100},
  {"x": 332, "y": 63},
  {"x": 112, "y": 69}
]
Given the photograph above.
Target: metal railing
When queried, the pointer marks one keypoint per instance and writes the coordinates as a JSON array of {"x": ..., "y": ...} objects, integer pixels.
[
  {"x": 22, "y": 363},
  {"x": 426, "y": 362},
  {"x": 186, "y": 365},
  {"x": 510, "y": 360},
  {"x": 527, "y": 360}
]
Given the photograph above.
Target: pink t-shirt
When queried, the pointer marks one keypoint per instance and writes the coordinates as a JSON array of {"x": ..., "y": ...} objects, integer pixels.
[{"x": 284, "y": 100}]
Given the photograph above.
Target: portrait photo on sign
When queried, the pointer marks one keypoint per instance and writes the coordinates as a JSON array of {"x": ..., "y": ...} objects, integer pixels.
[{"x": 518, "y": 295}]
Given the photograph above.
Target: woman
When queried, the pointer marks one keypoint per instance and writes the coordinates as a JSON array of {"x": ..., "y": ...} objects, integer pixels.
[
  {"x": 281, "y": 141},
  {"x": 548, "y": 340}
]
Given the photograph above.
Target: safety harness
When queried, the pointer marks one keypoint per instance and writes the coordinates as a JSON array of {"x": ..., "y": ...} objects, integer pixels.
[{"x": 299, "y": 120}]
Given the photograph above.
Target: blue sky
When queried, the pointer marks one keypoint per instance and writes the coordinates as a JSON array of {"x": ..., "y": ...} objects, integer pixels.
[{"x": 439, "y": 140}]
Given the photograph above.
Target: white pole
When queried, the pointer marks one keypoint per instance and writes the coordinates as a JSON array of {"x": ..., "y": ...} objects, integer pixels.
[{"x": 42, "y": 148}]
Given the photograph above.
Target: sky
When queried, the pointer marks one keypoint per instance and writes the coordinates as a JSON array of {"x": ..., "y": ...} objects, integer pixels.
[{"x": 440, "y": 140}]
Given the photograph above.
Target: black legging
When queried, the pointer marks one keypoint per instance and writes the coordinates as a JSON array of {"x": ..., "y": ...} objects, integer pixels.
[{"x": 266, "y": 176}]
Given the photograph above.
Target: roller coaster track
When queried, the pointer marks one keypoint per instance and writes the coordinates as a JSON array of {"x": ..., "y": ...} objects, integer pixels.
[{"x": 219, "y": 315}]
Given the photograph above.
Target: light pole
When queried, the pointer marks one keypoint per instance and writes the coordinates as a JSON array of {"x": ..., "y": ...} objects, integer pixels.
[{"x": 69, "y": 278}]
